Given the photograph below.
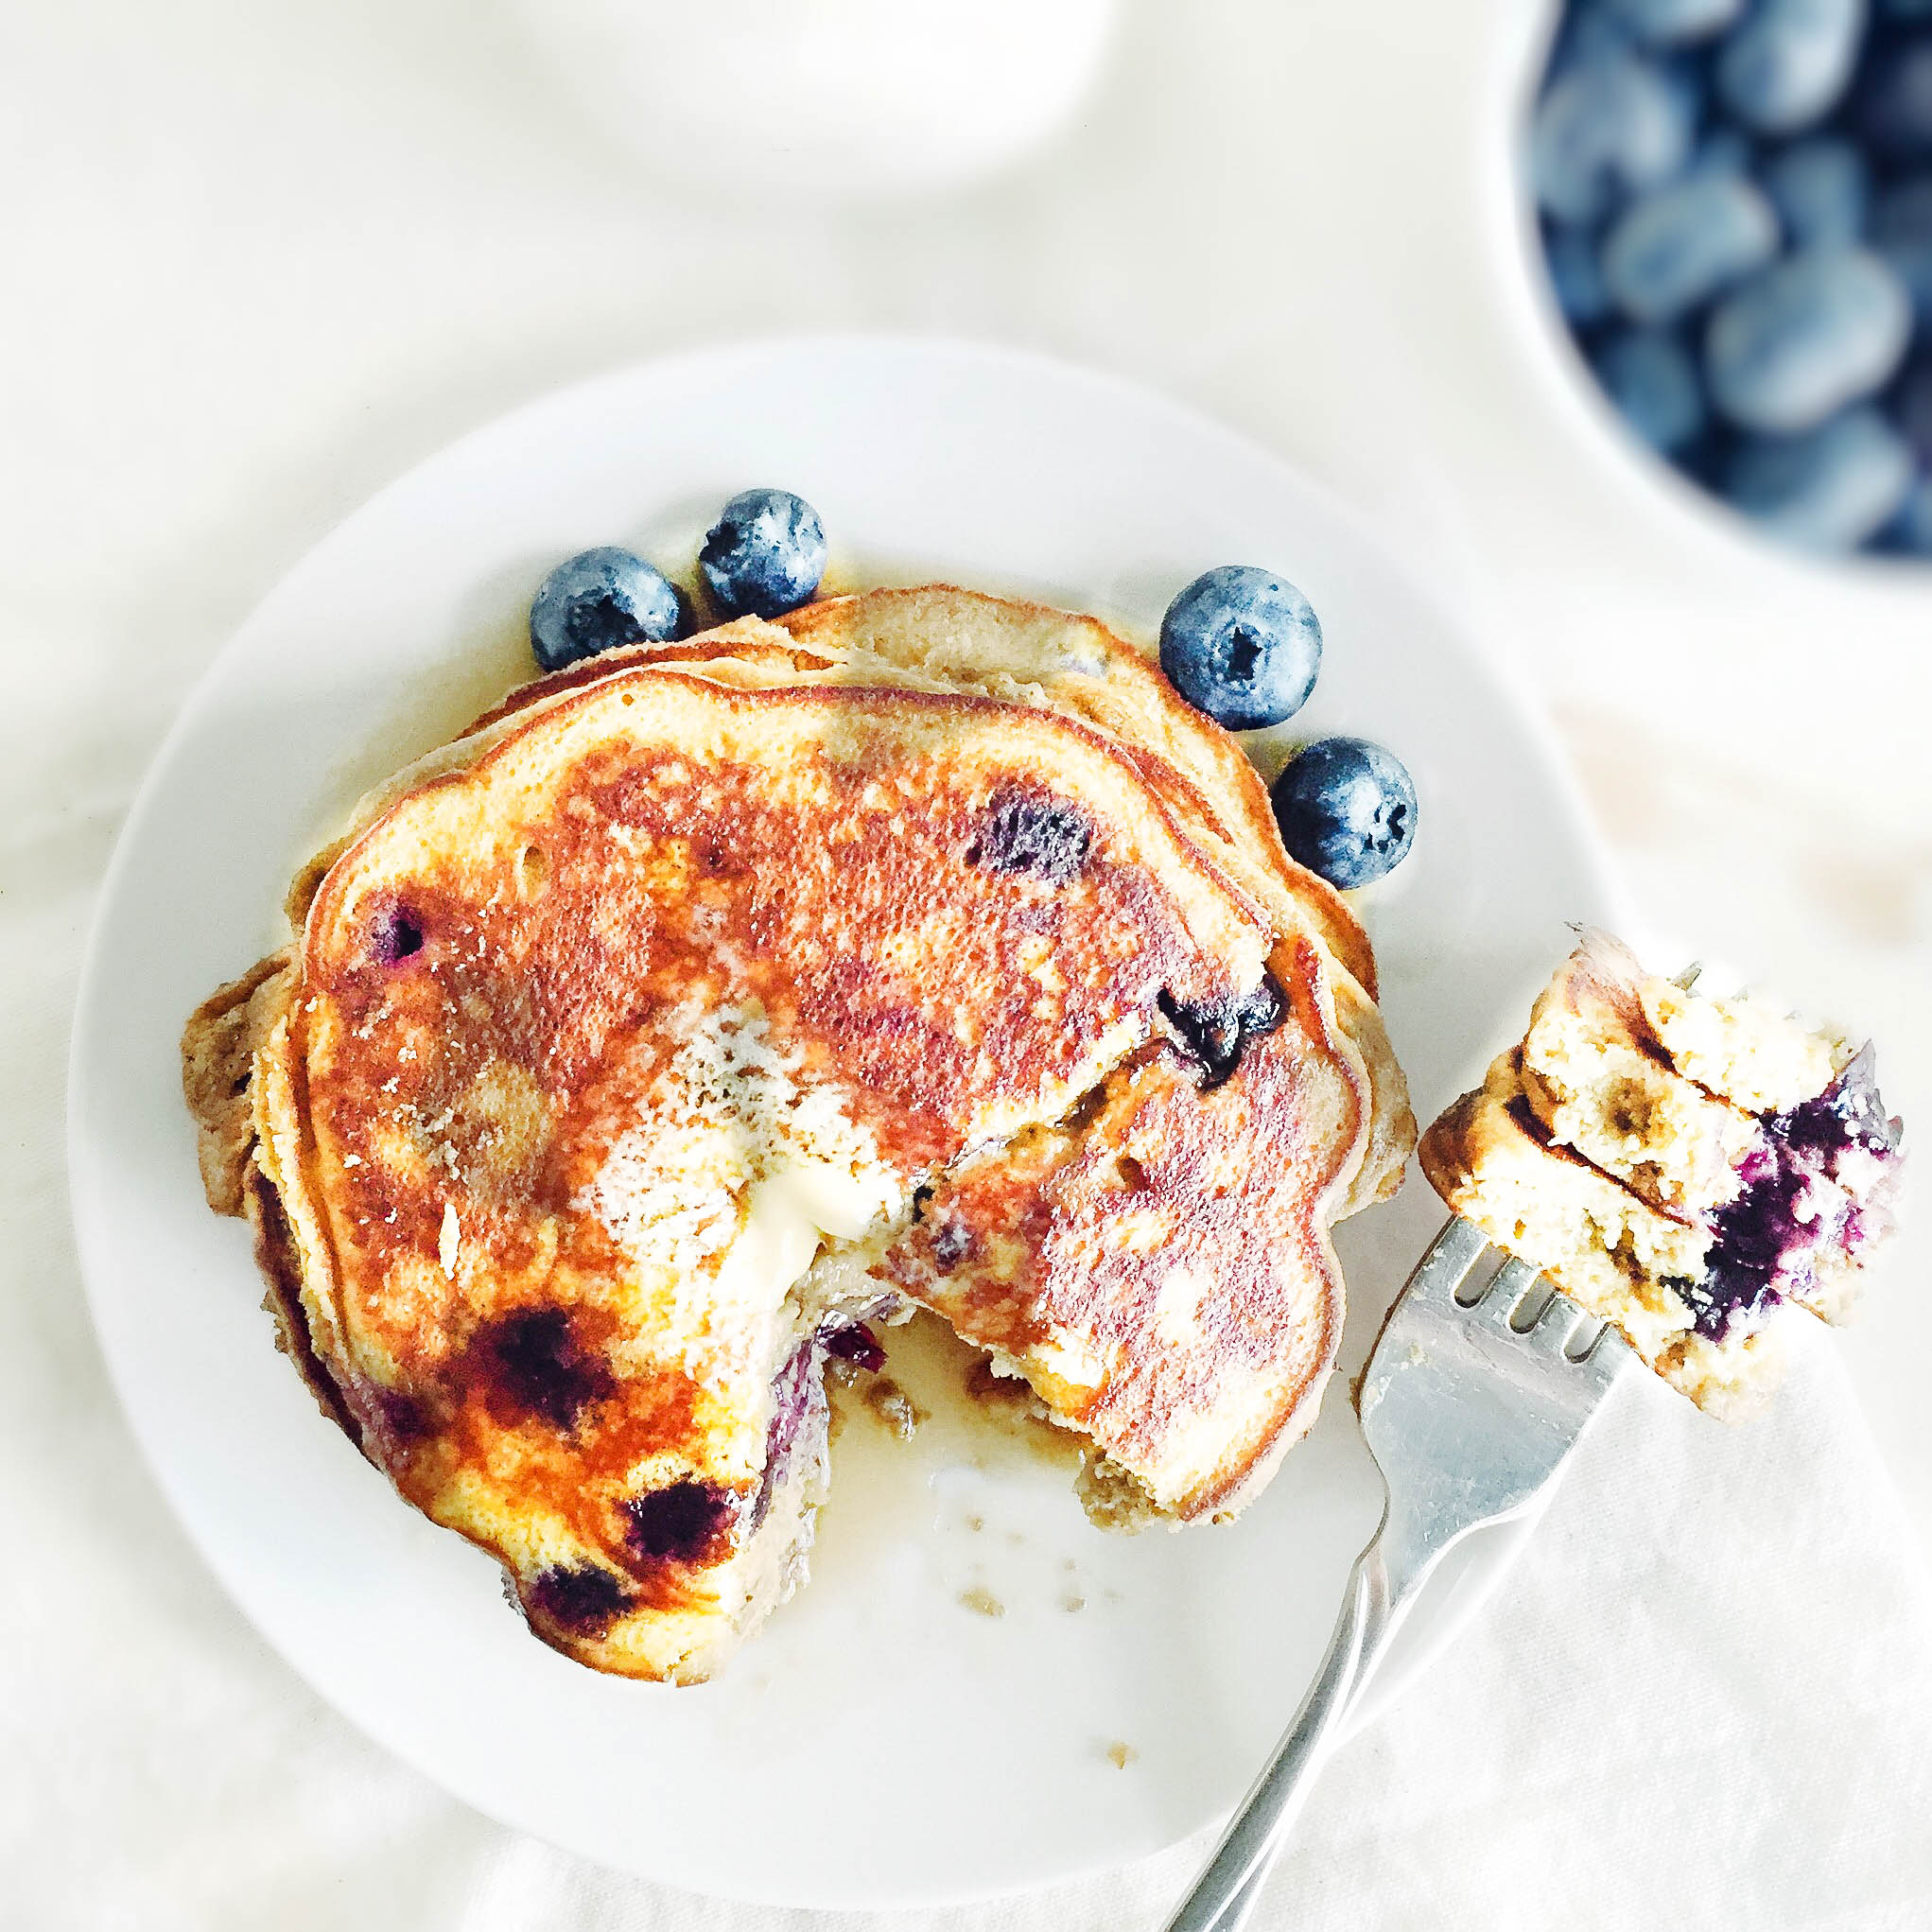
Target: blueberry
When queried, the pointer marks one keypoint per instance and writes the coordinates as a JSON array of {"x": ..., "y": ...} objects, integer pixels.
[
  {"x": 1822, "y": 189},
  {"x": 1243, "y": 645},
  {"x": 1827, "y": 490},
  {"x": 394, "y": 936},
  {"x": 1847, "y": 1116},
  {"x": 1910, "y": 530},
  {"x": 1673, "y": 22},
  {"x": 1346, "y": 809},
  {"x": 531, "y": 1362},
  {"x": 1803, "y": 338},
  {"x": 1723, "y": 150},
  {"x": 1608, "y": 127},
  {"x": 1785, "y": 64},
  {"x": 1901, "y": 233},
  {"x": 852, "y": 1342},
  {"x": 1652, "y": 379},
  {"x": 765, "y": 554},
  {"x": 952, "y": 1243},
  {"x": 1575, "y": 272},
  {"x": 1682, "y": 243},
  {"x": 597, "y": 600},
  {"x": 1912, "y": 408},
  {"x": 687, "y": 1522},
  {"x": 1029, "y": 829},
  {"x": 581, "y": 1598},
  {"x": 1892, "y": 110},
  {"x": 1589, "y": 30},
  {"x": 1216, "y": 1031}
]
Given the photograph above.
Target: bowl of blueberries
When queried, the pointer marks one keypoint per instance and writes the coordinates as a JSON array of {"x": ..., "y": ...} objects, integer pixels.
[{"x": 1729, "y": 211}]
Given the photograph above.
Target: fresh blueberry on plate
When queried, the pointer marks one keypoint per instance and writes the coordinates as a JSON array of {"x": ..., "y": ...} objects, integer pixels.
[
  {"x": 1588, "y": 30},
  {"x": 1346, "y": 809},
  {"x": 599, "y": 600},
  {"x": 1804, "y": 337},
  {"x": 1243, "y": 645},
  {"x": 765, "y": 554}
]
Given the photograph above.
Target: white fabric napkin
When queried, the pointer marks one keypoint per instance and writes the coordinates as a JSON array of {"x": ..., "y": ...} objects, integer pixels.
[{"x": 1702, "y": 1697}]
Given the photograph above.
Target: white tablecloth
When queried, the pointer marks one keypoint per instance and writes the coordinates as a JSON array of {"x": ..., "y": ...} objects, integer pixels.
[{"x": 260, "y": 258}]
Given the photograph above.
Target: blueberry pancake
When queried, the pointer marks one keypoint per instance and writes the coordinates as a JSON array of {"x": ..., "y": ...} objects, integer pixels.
[
  {"x": 938, "y": 637},
  {"x": 1696, "y": 1170},
  {"x": 639, "y": 1043}
]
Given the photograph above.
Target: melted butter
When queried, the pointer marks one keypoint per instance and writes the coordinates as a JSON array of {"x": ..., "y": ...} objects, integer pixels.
[
  {"x": 789, "y": 1215},
  {"x": 723, "y": 1192}
]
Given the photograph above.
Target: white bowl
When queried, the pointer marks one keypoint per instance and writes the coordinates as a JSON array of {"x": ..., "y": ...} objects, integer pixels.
[
  {"x": 807, "y": 101},
  {"x": 1603, "y": 439}
]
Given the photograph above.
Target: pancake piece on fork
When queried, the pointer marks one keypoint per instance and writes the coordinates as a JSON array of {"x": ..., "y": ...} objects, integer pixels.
[{"x": 1702, "y": 1171}]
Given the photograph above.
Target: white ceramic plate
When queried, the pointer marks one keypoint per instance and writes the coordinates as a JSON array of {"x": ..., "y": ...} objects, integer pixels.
[{"x": 883, "y": 1743}]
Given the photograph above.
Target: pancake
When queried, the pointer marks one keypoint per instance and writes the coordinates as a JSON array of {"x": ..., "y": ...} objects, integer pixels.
[
  {"x": 642, "y": 1040},
  {"x": 938, "y": 637},
  {"x": 1702, "y": 1171}
]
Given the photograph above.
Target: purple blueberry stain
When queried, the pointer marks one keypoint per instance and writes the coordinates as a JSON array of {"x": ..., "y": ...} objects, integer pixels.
[
  {"x": 1764, "y": 1245},
  {"x": 687, "y": 1522},
  {"x": 537, "y": 1362},
  {"x": 394, "y": 936},
  {"x": 1848, "y": 1114},
  {"x": 396, "y": 1417},
  {"x": 1031, "y": 832},
  {"x": 950, "y": 1243},
  {"x": 582, "y": 1600},
  {"x": 1798, "y": 1204},
  {"x": 796, "y": 1393},
  {"x": 852, "y": 1342}
]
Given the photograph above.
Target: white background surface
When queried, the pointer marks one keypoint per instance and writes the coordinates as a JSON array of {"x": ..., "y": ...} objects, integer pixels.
[{"x": 259, "y": 259}]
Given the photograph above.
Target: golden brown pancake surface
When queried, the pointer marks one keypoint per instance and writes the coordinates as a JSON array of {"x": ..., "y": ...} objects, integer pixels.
[{"x": 703, "y": 999}]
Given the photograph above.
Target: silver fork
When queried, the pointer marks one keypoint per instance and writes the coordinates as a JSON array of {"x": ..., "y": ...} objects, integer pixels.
[{"x": 1478, "y": 1391}]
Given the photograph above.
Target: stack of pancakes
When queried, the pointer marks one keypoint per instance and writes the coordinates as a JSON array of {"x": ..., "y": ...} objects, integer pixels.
[{"x": 920, "y": 949}]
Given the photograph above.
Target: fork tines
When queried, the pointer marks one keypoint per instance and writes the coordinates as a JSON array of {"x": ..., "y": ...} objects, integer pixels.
[{"x": 1464, "y": 1267}]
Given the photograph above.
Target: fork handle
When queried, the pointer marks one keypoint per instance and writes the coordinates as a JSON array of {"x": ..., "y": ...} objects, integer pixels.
[{"x": 1225, "y": 1893}]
